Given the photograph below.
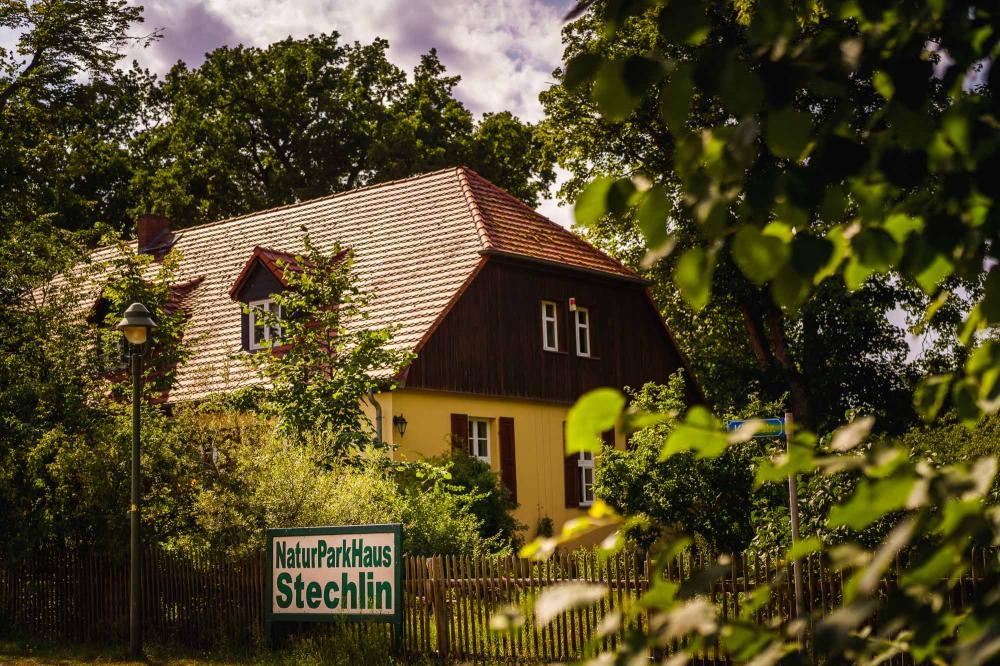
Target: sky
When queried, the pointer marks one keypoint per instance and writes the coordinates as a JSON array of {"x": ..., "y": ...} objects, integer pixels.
[{"x": 504, "y": 50}]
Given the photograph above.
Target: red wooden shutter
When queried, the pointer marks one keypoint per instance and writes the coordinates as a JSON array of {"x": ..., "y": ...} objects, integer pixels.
[
  {"x": 571, "y": 476},
  {"x": 508, "y": 467},
  {"x": 460, "y": 432}
]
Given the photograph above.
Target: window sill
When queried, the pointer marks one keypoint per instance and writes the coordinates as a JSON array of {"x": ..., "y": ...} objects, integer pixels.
[
  {"x": 586, "y": 505},
  {"x": 555, "y": 351}
]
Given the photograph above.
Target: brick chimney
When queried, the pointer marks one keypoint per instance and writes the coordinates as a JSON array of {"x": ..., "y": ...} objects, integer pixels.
[{"x": 153, "y": 232}]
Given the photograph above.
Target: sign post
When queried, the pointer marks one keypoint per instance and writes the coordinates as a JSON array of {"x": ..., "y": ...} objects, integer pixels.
[
  {"x": 770, "y": 429},
  {"x": 335, "y": 574},
  {"x": 793, "y": 510}
]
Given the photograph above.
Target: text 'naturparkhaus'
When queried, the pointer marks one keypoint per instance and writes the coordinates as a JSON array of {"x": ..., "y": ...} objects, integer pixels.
[{"x": 357, "y": 590}]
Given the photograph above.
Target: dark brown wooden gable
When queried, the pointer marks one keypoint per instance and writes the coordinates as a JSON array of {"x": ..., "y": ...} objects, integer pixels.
[{"x": 490, "y": 343}]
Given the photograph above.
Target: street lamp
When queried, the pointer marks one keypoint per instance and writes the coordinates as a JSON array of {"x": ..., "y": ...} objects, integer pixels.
[{"x": 136, "y": 325}]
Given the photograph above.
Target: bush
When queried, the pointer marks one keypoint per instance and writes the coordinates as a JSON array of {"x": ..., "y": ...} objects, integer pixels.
[
  {"x": 710, "y": 498},
  {"x": 487, "y": 498},
  {"x": 255, "y": 480}
]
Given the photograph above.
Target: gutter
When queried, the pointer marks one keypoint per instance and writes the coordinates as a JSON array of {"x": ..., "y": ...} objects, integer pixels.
[{"x": 378, "y": 416}]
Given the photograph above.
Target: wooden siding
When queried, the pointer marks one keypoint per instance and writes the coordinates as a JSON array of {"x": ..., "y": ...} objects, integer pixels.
[{"x": 490, "y": 343}]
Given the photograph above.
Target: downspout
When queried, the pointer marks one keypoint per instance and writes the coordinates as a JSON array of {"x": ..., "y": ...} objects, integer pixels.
[{"x": 378, "y": 416}]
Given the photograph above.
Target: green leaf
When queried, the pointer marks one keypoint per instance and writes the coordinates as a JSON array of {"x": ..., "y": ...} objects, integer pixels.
[
  {"x": 789, "y": 288},
  {"x": 798, "y": 458},
  {"x": 810, "y": 253},
  {"x": 700, "y": 432},
  {"x": 930, "y": 395},
  {"x": 620, "y": 85},
  {"x": 989, "y": 307},
  {"x": 652, "y": 214},
  {"x": 933, "y": 273},
  {"x": 693, "y": 276},
  {"x": 964, "y": 395},
  {"x": 611, "y": 94},
  {"x": 759, "y": 256},
  {"x": 581, "y": 69},
  {"x": 900, "y": 226},
  {"x": 883, "y": 84},
  {"x": 875, "y": 251},
  {"x": 675, "y": 101},
  {"x": 557, "y": 599},
  {"x": 684, "y": 22},
  {"x": 740, "y": 90},
  {"x": 847, "y": 437},
  {"x": 871, "y": 501},
  {"x": 595, "y": 412},
  {"x": 602, "y": 196},
  {"x": 787, "y": 133},
  {"x": 804, "y": 547}
]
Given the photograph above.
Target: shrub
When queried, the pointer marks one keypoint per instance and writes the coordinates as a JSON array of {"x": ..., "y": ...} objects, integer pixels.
[
  {"x": 487, "y": 498},
  {"x": 254, "y": 480}
]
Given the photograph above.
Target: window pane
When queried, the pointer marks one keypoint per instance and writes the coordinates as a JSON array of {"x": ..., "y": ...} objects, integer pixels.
[{"x": 257, "y": 332}]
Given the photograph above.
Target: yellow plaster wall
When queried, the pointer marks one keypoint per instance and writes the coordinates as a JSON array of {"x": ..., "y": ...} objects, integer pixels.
[{"x": 537, "y": 435}]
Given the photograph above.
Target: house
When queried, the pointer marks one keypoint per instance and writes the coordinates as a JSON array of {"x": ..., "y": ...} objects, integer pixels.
[{"x": 511, "y": 317}]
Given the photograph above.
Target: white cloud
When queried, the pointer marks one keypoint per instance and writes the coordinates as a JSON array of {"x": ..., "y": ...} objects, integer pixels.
[{"x": 504, "y": 50}]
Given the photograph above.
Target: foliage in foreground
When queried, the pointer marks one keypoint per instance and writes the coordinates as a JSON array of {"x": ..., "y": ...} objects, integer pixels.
[
  {"x": 810, "y": 144},
  {"x": 327, "y": 360}
]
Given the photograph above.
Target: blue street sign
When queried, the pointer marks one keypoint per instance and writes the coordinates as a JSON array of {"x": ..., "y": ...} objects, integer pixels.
[{"x": 771, "y": 428}]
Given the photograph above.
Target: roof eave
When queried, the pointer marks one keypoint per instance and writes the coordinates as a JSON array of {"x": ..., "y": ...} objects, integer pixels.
[{"x": 634, "y": 279}]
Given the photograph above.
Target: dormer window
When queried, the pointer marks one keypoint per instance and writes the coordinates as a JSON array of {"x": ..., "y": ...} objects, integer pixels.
[
  {"x": 263, "y": 276},
  {"x": 262, "y": 333}
]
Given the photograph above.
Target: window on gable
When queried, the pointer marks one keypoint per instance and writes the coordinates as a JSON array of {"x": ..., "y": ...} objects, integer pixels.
[
  {"x": 550, "y": 327},
  {"x": 479, "y": 439},
  {"x": 262, "y": 334},
  {"x": 581, "y": 324},
  {"x": 586, "y": 468}
]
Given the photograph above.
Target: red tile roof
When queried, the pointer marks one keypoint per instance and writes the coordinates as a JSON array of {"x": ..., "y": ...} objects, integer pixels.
[
  {"x": 275, "y": 261},
  {"x": 415, "y": 241},
  {"x": 506, "y": 224}
]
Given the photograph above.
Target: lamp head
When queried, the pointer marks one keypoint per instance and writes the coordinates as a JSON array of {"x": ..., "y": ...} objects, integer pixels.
[
  {"x": 136, "y": 324},
  {"x": 400, "y": 423}
]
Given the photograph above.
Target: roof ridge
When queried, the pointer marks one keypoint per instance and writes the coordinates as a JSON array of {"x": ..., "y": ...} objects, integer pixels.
[
  {"x": 568, "y": 233},
  {"x": 470, "y": 199},
  {"x": 325, "y": 197}
]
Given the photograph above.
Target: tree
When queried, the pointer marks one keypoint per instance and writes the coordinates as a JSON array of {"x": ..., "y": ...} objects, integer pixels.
[
  {"x": 835, "y": 152},
  {"x": 66, "y": 425},
  {"x": 835, "y": 352},
  {"x": 712, "y": 499},
  {"x": 253, "y": 128},
  {"x": 67, "y": 113},
  {"x": 327, "y": 361}
]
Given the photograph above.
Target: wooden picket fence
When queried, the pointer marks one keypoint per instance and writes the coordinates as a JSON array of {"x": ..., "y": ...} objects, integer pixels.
[{"x": 448, "y": 600}]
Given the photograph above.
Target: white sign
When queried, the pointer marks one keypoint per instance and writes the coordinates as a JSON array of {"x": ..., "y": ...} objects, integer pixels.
[{"x": 325, "y": 573}]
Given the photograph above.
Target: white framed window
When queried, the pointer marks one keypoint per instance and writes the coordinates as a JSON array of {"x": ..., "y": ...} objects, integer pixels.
[
  {"x": 479, "y": 439},
  {"x": 586, "y": 467},
  {"x": 261, "y": 333},
  {"x": 550, "y": 327},
  {"x": 581, "y": 324}
]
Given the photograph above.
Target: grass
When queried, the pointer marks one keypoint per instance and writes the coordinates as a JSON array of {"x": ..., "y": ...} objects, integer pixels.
[{"x": 305, "y": 651}]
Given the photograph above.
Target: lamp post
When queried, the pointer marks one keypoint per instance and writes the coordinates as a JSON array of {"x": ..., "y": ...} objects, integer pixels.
[{"x": 136, "y": 325}]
